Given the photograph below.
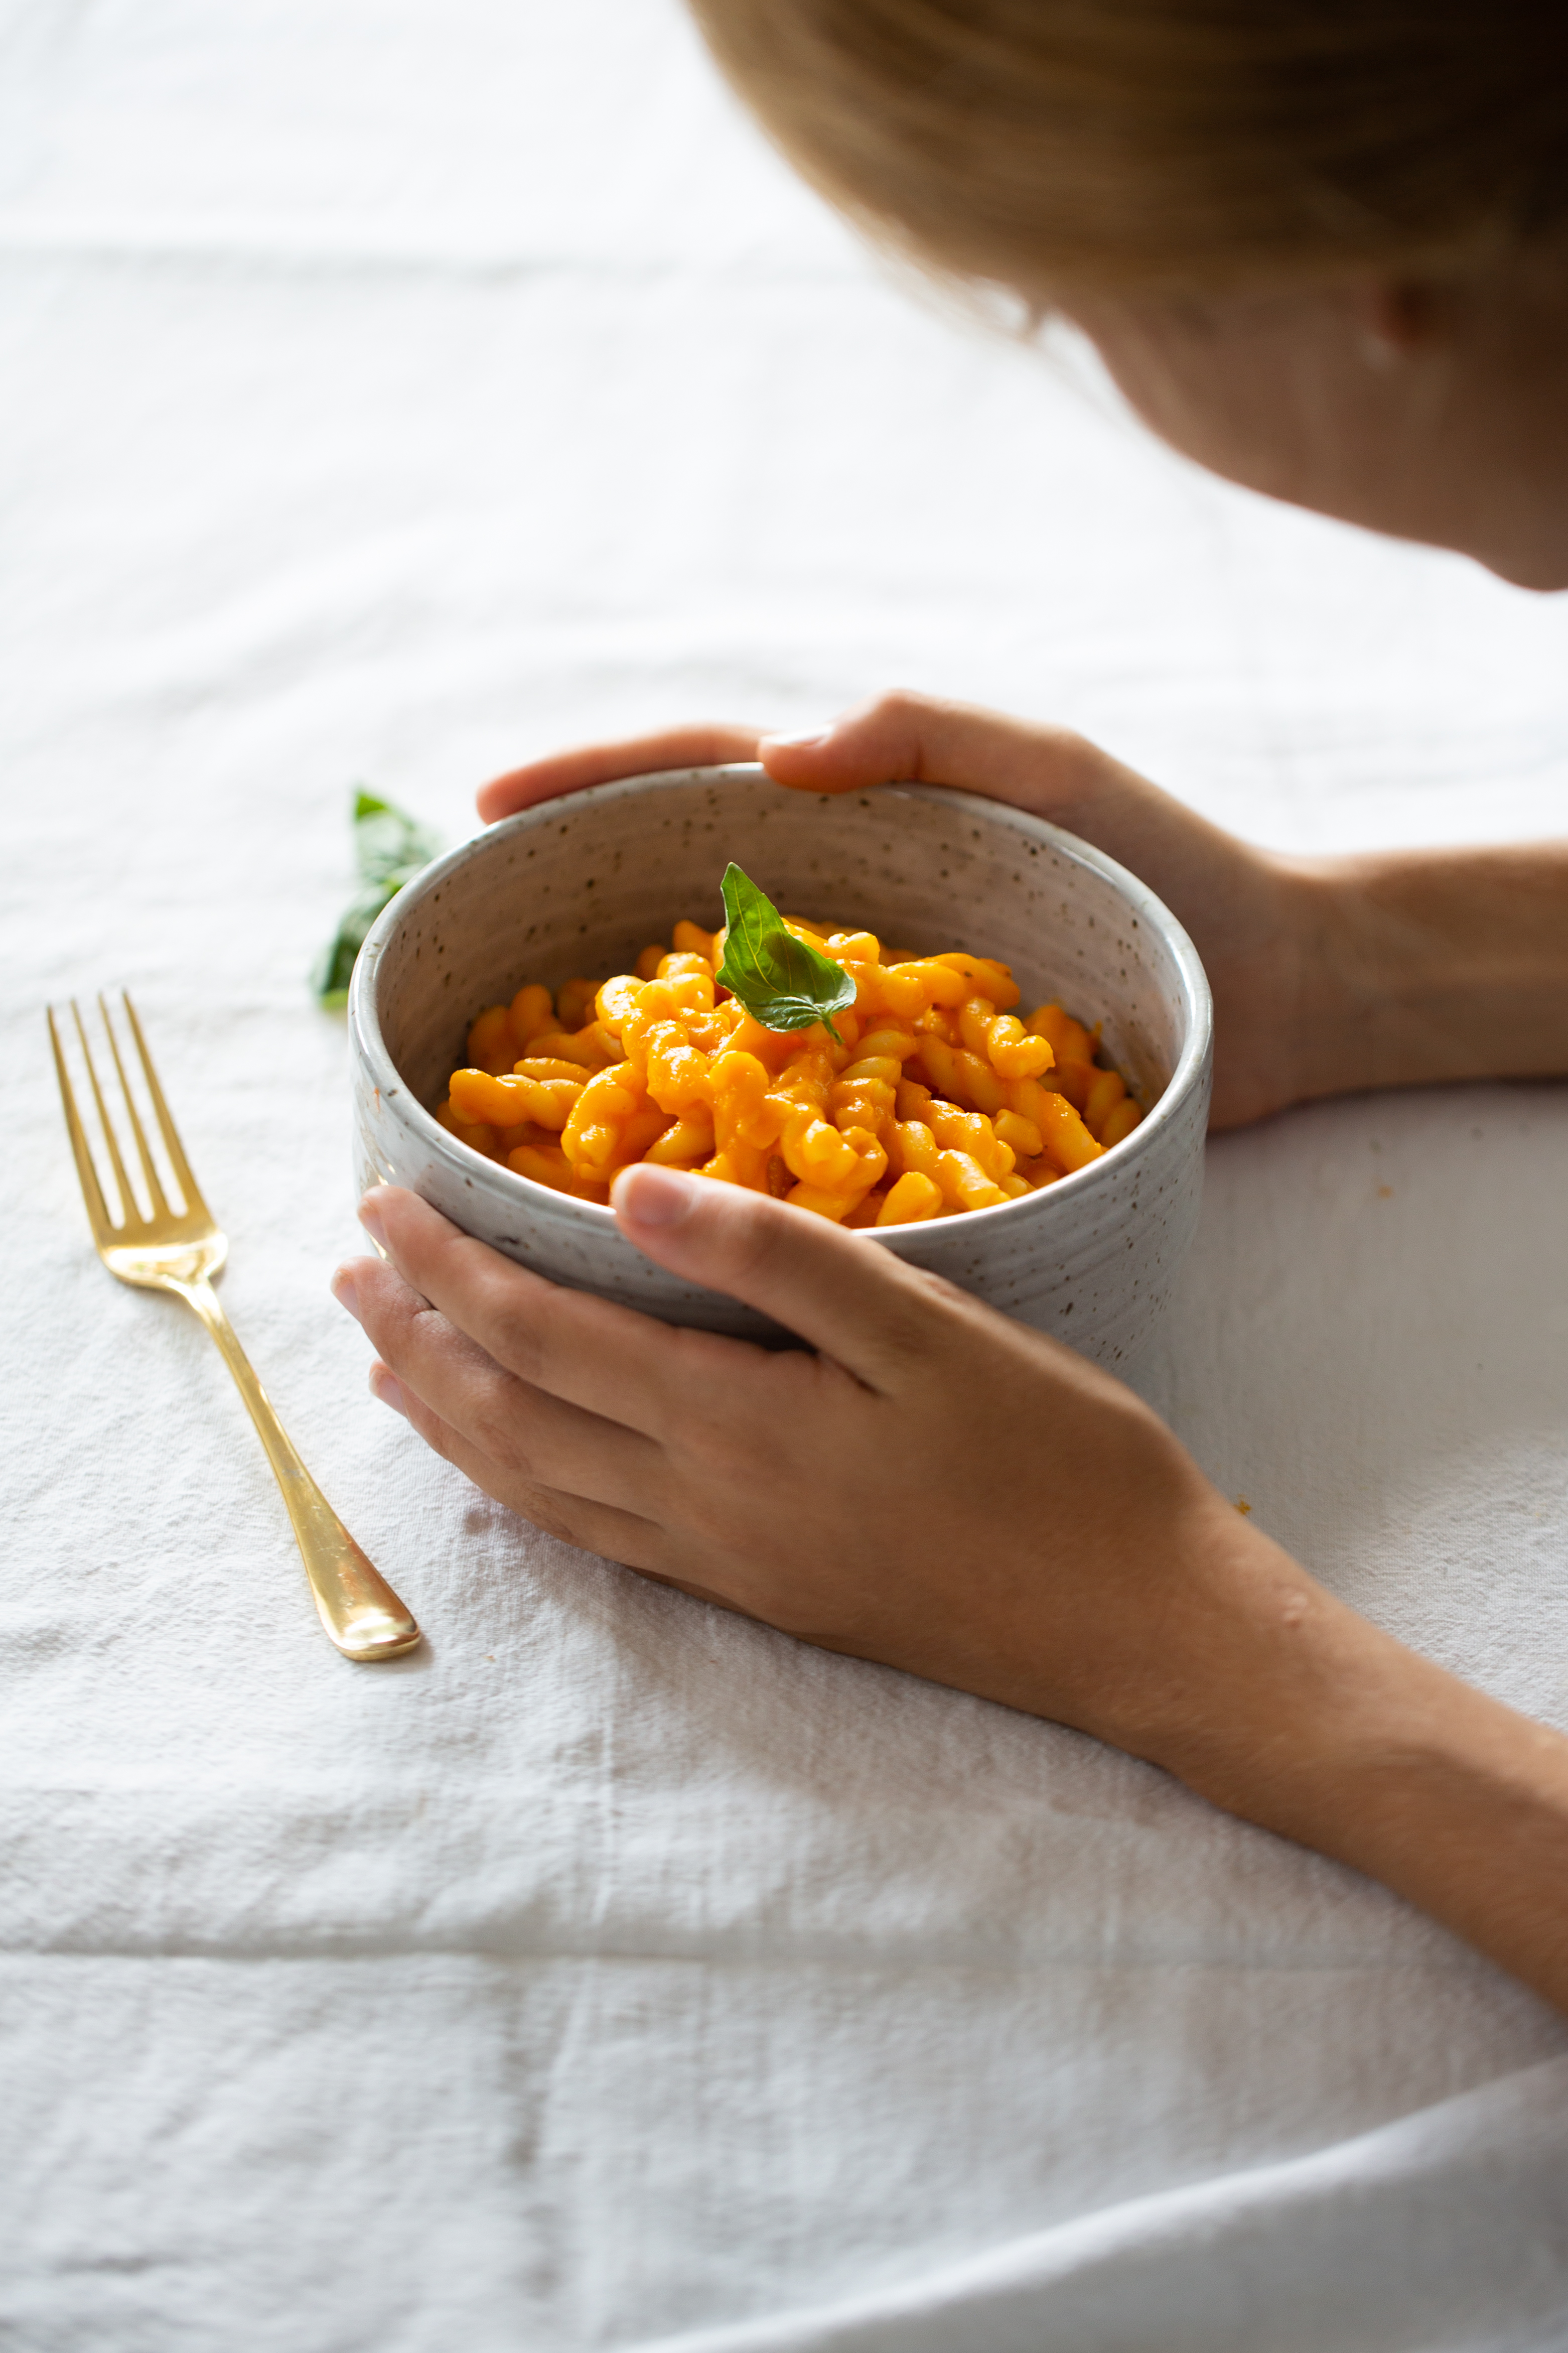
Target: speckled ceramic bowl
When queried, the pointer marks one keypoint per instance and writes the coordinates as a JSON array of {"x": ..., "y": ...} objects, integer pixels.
[{"x": 580, "y": 885}]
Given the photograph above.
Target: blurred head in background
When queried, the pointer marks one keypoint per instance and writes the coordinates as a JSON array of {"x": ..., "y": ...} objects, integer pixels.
[{"x": 1321, "y": 244}]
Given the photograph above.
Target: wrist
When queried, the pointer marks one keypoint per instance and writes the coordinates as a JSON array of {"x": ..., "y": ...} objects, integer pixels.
[
  {"x": 1275, "y": 1700},
  {"x": 1268, "y": 1686}
]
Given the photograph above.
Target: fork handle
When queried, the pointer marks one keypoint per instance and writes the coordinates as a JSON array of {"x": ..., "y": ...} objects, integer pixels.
[{"x": 359, "y": 1609}]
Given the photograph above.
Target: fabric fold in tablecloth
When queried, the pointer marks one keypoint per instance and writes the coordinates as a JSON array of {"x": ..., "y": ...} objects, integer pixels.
[{"x": 1446, "y": 2232}]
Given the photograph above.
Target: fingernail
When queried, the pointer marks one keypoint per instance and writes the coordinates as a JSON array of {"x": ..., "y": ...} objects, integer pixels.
[
  {"x": 652, "y": 1195},
  {"x": 370, "y": 1219},
  {"x": 387, "y": 1389},
  {"x": 798, "y": 742},
  {"x": 343, "y": 1291}
]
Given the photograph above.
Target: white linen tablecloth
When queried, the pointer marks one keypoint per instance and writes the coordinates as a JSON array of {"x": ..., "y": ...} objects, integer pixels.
[{"x": 393, "y": 391}]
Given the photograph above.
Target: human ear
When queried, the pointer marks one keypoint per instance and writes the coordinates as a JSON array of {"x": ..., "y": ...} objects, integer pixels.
[{"x": 1396, "y": 319}]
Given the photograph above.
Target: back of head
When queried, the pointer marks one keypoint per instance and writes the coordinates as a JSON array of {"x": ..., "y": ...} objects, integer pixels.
[{"x": 1175, "y": 144}]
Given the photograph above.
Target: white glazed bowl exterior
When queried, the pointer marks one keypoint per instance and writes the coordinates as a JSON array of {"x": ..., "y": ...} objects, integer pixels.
[{"x": 581, "y": 885}]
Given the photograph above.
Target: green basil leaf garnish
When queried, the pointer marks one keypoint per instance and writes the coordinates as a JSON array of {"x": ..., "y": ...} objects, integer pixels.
[
  {"x": 781, "y": 982},
  {"x": 390, "y": 848}
]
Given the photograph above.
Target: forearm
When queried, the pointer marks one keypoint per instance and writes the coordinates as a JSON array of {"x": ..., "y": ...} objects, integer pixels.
[
  {"x": 1322, "y": 1728},
  {"x": 1428, "y": 968}
]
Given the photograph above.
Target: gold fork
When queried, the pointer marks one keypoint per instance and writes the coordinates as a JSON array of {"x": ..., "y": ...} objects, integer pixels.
[{"x": 181, "y": 1250}]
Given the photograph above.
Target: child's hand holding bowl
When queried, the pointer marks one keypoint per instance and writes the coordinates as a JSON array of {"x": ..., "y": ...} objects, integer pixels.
[{"x": 935, "y": 1486}]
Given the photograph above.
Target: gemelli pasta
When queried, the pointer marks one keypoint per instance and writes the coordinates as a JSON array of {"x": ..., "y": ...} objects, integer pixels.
[{"x": 926, "y": 1096}]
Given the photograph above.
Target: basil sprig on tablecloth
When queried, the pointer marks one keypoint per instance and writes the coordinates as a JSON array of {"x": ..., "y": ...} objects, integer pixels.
[
  {"x": 781, "y": 981},
  {"x": 390, "y": 849}
]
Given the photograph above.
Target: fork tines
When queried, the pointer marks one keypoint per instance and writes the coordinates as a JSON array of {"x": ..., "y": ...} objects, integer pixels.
[{"x": 131, "y": 1218}]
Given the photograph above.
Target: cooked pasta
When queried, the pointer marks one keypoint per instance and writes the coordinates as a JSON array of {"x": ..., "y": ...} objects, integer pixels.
[{"x": 934, "y": 1096}]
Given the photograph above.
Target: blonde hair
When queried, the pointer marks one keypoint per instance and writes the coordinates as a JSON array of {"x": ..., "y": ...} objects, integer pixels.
[{"x": 1183, "y": 144}]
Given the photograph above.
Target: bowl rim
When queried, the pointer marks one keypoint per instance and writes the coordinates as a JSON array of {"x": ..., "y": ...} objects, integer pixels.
[{"x": 367, "y": 1042}]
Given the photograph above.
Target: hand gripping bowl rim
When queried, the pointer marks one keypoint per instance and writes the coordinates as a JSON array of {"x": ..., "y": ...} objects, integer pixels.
[{"x": 1197, "y": 1000}]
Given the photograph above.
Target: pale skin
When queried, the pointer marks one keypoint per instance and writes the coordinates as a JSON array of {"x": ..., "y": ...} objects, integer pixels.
[{"x": 874, "y": 1492}]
